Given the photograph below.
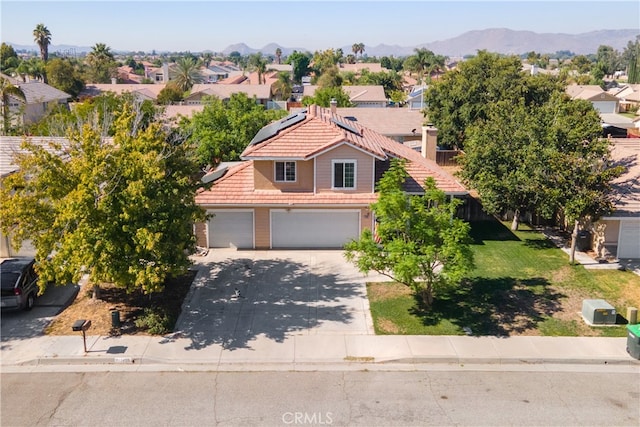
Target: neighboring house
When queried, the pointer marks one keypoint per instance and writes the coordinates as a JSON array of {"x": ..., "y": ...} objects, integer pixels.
[
  {"x": 400, "y": 124},
  {"x": 361, "y": 96},
  {"x": 603, "y": 102},
  {"x": 629, "y": 96},
  {"x": 619, "y": 233},
  {"x": 415, "y": 98},
  {"x": 224, "y": 92},
  {"x": 9, "y": 147},
  {"x": 307, "y": 181},
  {"x": 173, "y": 113},
  {"x": 141, "y": 91},
  {"x": 40, "y": 99}
]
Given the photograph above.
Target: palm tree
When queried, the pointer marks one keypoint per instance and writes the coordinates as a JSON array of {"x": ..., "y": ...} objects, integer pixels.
[
  {"x": 259, "y": 64},
  {"x": 186, "y": 73},
  {"x": 283, "y": 86},
  {"x": 9, "y": 90},
  {"x": 42, "y": 36},
  {"x": 361, "y": 48},
  {"x": 278, "y": 54},
  {"x": 101, "y": 60},
  {"x": 355, "y": 48},
  {"x": 207, "y": 57}
]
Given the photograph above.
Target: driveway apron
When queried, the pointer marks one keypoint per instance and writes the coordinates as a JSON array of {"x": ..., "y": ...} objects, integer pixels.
[{"x": 239, "y": 296}]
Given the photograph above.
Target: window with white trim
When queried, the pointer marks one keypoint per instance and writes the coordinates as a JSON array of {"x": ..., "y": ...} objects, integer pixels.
[
  {"x": 285, "y": 171},
  {"x": 344, "y": 174}
]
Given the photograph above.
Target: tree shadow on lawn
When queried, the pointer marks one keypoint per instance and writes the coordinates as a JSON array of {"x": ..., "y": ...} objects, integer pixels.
[
  {"x": 490, "y": 230},
  {"x": 493, "y": 306}
]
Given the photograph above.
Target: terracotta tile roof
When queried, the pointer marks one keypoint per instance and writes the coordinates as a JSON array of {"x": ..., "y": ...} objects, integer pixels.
[
  {"x": 386, "y": 121},
  {"x": 371, "y": 93},
  {"x": 236, "y": 188},
  {"x": 224, "y": 91}
]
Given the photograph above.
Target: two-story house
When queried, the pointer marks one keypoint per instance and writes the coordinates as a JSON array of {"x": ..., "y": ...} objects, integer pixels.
[{"x": 306, "y": 181}]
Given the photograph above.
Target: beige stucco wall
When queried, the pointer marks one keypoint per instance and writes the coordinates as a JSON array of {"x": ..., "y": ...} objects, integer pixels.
[
  {"x": 364, "y": 169},
  {"x": 200, "y": 230},
  {"x": 262, "y": 235},
  {"x": 264, "y": 176}
]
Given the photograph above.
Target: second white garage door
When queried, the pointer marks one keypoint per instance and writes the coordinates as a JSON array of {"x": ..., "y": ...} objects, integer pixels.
[
  {"x": 313, "y": 229},
  {"x": 629, "y": 241},
  {"x": 231, "y": 229}
]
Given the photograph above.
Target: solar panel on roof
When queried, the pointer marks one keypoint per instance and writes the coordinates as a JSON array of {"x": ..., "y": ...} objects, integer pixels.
[
  {"x": 272, "y": 129},
  {"x": 346, "y": 126}
]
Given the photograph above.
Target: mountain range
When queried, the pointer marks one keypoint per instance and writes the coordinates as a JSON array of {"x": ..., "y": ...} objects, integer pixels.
[{"x": 499, "y": 40}]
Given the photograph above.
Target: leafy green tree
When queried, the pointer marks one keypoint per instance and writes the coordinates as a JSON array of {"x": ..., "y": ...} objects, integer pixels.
[
  {"x": 102, "y": 66},
  {"x": 8, "y": 91},
  {"x": 418, "y": 241},
  {"x": 8, "y": 58},
  {"x": 631, "y": 56},
  {"x": 462, "y": 97},
  {"x": 63, "y": 75},
  {"x": 331, "y": 77},
  {"x": 581, "y": 63},
  {"x": 325, "y": 60},
  {"x": 186, "y": 73},
  {"x": 32, "y": 67},
  {"x": 170, "y": 94},
  {"x": 608, "y": 58},
  {"x": 392, "y": 63},
  {"x": 323, "y": 97},
  {"x": 300, "y": 63},
  {"x": 120, "y": 211},
  {"x": 389, "y": 80},
  {"x": 278, "y": 55},
  {"x": 221, "y": 131}
]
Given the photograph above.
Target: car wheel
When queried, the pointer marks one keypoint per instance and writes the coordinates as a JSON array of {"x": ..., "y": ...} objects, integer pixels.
[{"x": 31, "y": 300}]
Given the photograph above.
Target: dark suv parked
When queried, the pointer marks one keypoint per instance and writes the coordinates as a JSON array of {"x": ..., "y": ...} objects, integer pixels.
[{"x": 19, "y": 283}]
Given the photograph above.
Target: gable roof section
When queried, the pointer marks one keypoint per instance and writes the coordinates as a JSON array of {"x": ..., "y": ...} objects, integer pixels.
[
  {"x": 36, "y": 91},
  {"x": 12, "y": 145},
  {"x": 386, "y": 121},
  {"x": 589, "y": 93},
  {"x": 321, "y": 131}
]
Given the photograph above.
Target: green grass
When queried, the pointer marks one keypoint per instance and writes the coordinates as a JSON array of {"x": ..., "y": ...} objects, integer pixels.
[{"x": 519, "y": 284}]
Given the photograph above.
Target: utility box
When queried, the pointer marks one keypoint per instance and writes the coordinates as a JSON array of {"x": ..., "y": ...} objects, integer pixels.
[
  {"x": 633, "y": 341},
  {"x": 598, "y": 312}
]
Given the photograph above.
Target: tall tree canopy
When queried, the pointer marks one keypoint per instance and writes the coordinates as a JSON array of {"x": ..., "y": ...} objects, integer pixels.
[
  {"x": 300, "y": 63},
  {"x": 63, "y": 74},
  {"x": 463, "y": 96},
  {"x": 118, "y": 210},
  {"x": 323, "y": 96},
  {"x": 418, "y": 241},
  {"x": 42, "y": 37},
  {"x": 102, "y": 66},
  {"x": 222, "y": 130}
]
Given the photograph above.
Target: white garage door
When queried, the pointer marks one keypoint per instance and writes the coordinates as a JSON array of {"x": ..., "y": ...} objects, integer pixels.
[
  {"x": 231, "y": 229},
  {"x": 629, "y": 241},
  {"x": 313, "y": 229}
]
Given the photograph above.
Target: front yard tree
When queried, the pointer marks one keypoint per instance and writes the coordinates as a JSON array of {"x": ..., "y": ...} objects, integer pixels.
[
  {"x": 505, "y": 161},
  {"x": 418, "y": 241},
  {"x": 462, "y": 97},
  {"x": 120, "y": 210}
]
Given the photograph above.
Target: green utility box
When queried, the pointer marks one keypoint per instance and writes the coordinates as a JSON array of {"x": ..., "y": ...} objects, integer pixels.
[{"x": 633, "y": 341}]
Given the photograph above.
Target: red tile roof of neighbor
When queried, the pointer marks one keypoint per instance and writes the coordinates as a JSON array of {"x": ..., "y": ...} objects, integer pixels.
[{"x": 320, "y": 131}]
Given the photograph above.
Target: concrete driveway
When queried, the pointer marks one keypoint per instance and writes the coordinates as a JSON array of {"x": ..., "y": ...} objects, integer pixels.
[{"x": 282, "y": 293}]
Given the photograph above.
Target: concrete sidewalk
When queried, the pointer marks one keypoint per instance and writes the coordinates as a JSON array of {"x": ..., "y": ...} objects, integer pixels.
[{"x": 309, "y": 351}]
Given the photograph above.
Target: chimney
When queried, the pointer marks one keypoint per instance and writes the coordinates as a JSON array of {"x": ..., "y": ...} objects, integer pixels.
[
  {"x": 114, "y": 80},
  {"x": 429, "y": 142},
  {"x": 333, "y": 104}
]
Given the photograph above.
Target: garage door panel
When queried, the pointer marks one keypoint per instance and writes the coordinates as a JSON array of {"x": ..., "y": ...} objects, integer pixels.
[
  {"x": 313, "y": 229},
  {"x": 231, "y": 229},
  {"x": 629, "y": 241}
]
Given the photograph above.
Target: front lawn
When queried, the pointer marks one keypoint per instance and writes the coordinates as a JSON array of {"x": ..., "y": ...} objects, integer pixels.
[{"x": 522, "y": 285}]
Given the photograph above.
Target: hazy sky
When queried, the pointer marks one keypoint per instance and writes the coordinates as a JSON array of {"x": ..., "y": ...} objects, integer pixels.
[{"x": 214, "y": 25}]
